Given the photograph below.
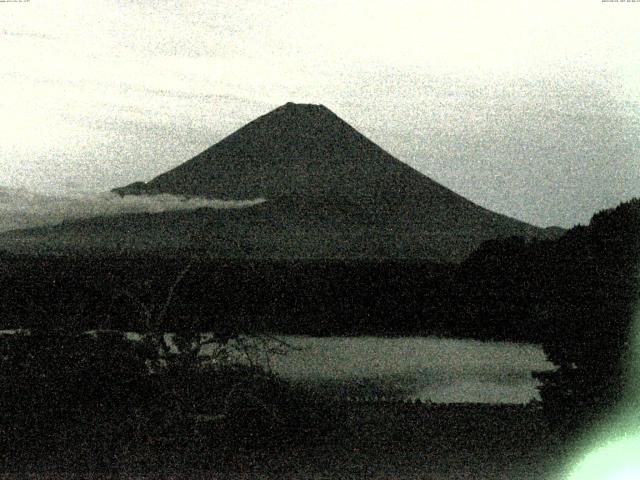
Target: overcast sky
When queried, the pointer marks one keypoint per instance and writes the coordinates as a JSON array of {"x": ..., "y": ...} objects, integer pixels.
[{"x": 529, "y": 108}]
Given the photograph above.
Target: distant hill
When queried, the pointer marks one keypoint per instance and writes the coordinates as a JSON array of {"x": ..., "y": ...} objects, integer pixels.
[{"x": 330, "y": 193}]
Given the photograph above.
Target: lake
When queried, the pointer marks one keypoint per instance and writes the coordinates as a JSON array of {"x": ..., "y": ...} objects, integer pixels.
[
  {"x": 425, "y": 368},
  {"x": 440, "y": 370}
]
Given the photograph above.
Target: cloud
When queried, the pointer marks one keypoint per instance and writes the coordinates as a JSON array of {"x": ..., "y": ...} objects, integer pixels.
[
  {"x": 528, "y": 117},
  {"x": 21, "y": 208}
]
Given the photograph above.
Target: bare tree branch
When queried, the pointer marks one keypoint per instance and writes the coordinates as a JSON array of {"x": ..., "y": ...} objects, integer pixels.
[{"x": 172, "y": 289}]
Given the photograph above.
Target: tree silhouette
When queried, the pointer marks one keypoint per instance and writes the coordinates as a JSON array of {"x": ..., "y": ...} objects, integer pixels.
[{"x": 592, "y": 306}]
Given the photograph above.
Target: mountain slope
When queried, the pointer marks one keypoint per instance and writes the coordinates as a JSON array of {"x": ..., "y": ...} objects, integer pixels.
[
  {"x": 302, "y": 150},
  {"x": 331, "y": 193}
]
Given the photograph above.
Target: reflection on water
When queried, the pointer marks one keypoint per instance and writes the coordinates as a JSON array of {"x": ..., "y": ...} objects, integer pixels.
[{"x": 440, "y": 370}]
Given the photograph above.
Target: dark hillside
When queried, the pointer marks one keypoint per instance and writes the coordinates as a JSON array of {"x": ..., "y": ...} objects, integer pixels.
[
  {"x": 310, "y": 297},
  {"x": 330, "y": 193}
]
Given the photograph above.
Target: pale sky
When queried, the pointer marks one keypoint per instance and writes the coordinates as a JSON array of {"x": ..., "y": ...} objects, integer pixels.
[{"x": 529, "y": 108}]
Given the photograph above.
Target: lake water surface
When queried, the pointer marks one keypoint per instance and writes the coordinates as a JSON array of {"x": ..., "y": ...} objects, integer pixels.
[
  {"x": 436, "y": 369},
  {"x": 425, "y": 368}
]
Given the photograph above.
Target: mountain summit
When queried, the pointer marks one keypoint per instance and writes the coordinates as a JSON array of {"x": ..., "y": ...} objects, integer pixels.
[
  {"x": 296, "y": 149},
  {"x": 330, "y": 193}
]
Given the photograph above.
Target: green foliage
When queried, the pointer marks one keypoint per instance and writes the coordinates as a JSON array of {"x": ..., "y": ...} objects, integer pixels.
[
  {"x": 101, "y": 395},
  {"x": 575, "y": 296},
  {"x": 594, "y": 295}
]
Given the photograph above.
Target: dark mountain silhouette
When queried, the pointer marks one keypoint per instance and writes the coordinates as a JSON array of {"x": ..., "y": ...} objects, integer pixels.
[
  {"x": 303, "y": 151},
  {"x": 330, "y": 193}
]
